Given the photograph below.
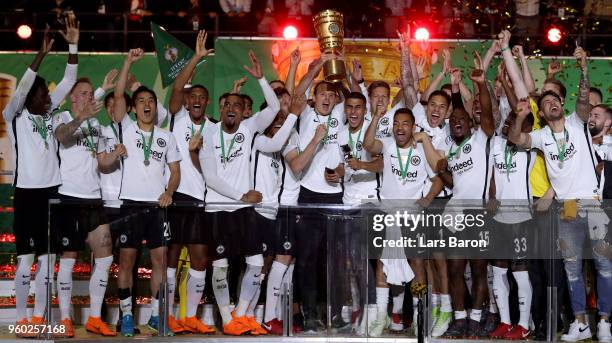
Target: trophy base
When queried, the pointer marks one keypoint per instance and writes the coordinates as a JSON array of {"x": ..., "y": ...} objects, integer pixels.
[{"x": 334, "y": 71}]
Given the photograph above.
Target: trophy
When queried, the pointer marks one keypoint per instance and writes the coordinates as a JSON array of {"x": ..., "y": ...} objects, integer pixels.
[{"x": 329, "y": 26}]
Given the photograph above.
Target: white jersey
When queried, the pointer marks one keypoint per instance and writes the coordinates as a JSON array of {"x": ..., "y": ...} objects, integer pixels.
[
  {"x": 290, "y": 189},
  {"x": 267, "y": 167},
  {"x": 192, "y": 182},
  {"x": 575, "y": 177},
  {"x": 394, "y": 186},
  {"x": 326, "y": 156},
  {"x": 385, "y": 123},
  {"x": 37, "y": 164},
  {"x": 440, "y": 139},
  {"x": 361, "y": 184},
  {"x": 79, "y": 163},
  {"x": 470, "y": 163},
  {"x": 146, "y": 182},
  {"x": 512, "y": 167},
  {"x": 110, "y": 179}
]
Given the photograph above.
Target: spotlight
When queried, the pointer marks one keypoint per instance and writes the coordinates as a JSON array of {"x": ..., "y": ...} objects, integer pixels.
[
  {"x": 421, "y": 34},
  {"x": 24, "y": 31},
  {"x": 554, "y": 35},
  {"x": 290, "y": 32}
]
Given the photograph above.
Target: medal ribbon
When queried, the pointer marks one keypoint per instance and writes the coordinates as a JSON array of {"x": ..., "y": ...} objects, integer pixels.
[
  {"x": 403, "y": 169},
  {"x": 41, "y": 128},
  {"x": 146, "y": 147},
  {"x": 112, "y": 125},
  {"x": 89, "y": 138},
  {"x": 329, "y": 117},
  {"x": 458, "y": 151},
  {"x": 508, "y": 159},
  {"x": 225, "y": 157},
  {"x": 199, "y": 131},
  {"x": 561, "y": 148}
]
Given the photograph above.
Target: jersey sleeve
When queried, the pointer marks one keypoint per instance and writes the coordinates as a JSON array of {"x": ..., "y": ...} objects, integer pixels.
[
  {"x": 292, "y": 144},
  {"x": 209, "y": 170},
  {"x": 537, "y": 138},
  {"x": 63, "y": 88},
  {"x": 18, "y": 99},
  {"x": 275, "y": 143},
  {"x": 172, "y": 154},
  {"x": 261, "y": 120},
  {"x": 63, "y": 117}
]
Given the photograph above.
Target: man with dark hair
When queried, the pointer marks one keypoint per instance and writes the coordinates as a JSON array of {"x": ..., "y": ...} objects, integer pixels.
[
  {"x": 37, "y": 174},
  {"x": 248, "y": 105},
  {"x": 147, "y": 151},
  {"x": 190, "y": 225},
  {"x": 275, "y": 84},
  {"x": 595, "y": 96}
]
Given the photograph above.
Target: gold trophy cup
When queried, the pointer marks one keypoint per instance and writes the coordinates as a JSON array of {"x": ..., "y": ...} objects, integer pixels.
[{"x": 329, "y": 25}]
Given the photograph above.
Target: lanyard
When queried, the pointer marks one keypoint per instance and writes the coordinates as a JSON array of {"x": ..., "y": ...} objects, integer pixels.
[
  {"x": 41, "y": 128},
  {"x": 561, "y": 148},
  {"x": 508, "y": 158},
  {"x": 89, "y": 137},
  {"x": 354, "y": 145},
  {"x": 112, "y": 125},
  {"x": 403, "y": 169},
  {"x": 458, "y": 151},
  {"x": 225, "y": 157},
  {"x": 329, "y": 117},
  {"x": 199, "y": 131},
  {"x": 146, "y": 147}
]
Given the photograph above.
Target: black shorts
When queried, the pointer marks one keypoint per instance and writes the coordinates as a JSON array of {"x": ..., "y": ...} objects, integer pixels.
[
  {"x": 234, "y": 233},
  {"x": 143, "y": 221},
  {"x": 512, "y": 241},
  {"x": 286, "y": 220},
  {"x": 31, "y": 221},
  {"x": 113, "y": 215},
  {"x": 189, "y": 224},
  {"x": 74, "y": 218}
]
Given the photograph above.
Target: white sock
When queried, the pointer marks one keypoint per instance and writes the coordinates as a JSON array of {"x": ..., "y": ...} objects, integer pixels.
[
  {"x": 251, "y": 281},
  {"x": 525, "y": 293},
  {"x": 273, "y": 290},
  {"x": 287, "y": 280},
  {"x": 475, "y": 314},
  {"x": 22, "y": 284},
  {"x": 501, "y": 292},
  {"x": 467, "y": 275},
  {"x": 382, "y": 300},
  {"x": 398, "y": 303},
  {"x": 251, "y": 309},
  {"x": 460, "y": 315},
  {"x": 154, "y": 307},
  {"x": 195, "y": 289},
  {"x": 45, "y": 271},
  {"x": 415, "y": 309},
  {"x": 492, "y": 301},
  {"x": 356, "y": 305},
  {"x": 97, "y": 285},
  {"x": 126, "y": 306},
  {"x": 64, "y": 286},
  {"x": 445, "y": 303},
  {"x": 435, "y": 300},
  {"x": 221, "y": 291},
  {"x": 171, "y": 281}
]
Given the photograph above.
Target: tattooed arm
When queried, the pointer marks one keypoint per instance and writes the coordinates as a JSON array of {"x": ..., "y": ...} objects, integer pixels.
[{"x": 582, "y": 103}]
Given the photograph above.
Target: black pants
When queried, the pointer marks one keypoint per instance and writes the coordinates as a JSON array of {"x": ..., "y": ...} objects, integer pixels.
[{"x": 311, "y": 238}]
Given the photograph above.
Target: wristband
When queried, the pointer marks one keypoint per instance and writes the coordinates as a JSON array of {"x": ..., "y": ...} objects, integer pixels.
[
  {"x": 506, "y": 48},
  {"x": 361, "y": 81},
  {"x": 73, "y": 49}
]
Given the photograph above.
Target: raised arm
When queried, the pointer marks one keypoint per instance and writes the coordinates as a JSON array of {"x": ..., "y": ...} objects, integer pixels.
[
  {"x": 407, "y": 76},
  {"x": 508, "y": 90},
  {"x": 82, "y": 112},
  {"x": 516, "y": 135},
  {"x": 299, "y": 160},
  {"x": 517, "y": 51},
  {"x": 515, "y": 75},
  {"x": 356, "y": 79},
  {"x": 553, "y": 69},
  {"x": 432, "y": 155},
  {"x": 494, "y": 49},
  {"x": 120, "y": 105},
  {"x": 209, "y": 170},
  {"x": 370, "y": 143},
  {"x": 276, "y": 142},
  {"x": 71, "y": 35},
  {"x": 176, "y": 97},
  {"x": 487, "y": 123},
  {"x": 17, "y": 101},
  {"x": 295, "y": 59},
  {"x": 582, "y": 102},
  {"x": 261, "y": 120},
  {"x": 314, "y": 68}
]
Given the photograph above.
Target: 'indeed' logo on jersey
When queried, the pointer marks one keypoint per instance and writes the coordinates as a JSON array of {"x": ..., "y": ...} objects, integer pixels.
[
  {"x": 409, "y": 175},
  {"x": 504, "y": 166},
  {"x": 331, "y": 137},
  {"x": 458, "y": 167},
  {"x": 569, "y": 153}
]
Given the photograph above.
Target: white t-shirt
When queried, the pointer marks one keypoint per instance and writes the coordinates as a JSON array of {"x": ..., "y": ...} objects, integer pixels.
[
  {"x": 110, "y": 179},
  {"x": 471, "y": 167},
  {"x": 313, "y": 176},
  {"x": 290, "y": 190},
  {"x": 393, "y": 186},
  {"x": 576, "y": 179},
  {"x": 79, "y": 165},
  {"x": 142, "y": 182},
  {"x": 512, "y": 186},
  {"x": 361, "y": 184},
  {"x": 192, "y": 182},
  {"x": 37, "y": 163}
]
